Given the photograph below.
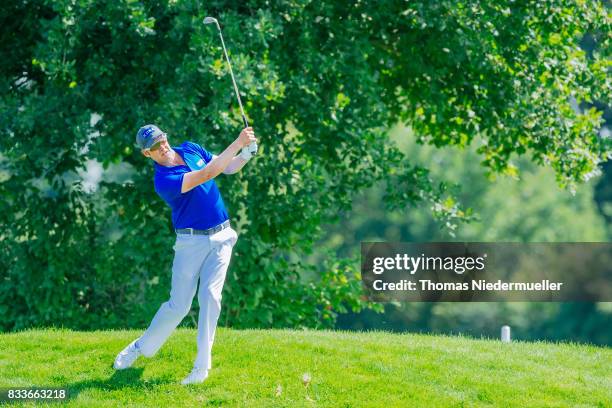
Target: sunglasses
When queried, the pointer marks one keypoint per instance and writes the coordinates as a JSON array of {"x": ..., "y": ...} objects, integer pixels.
[{"x": 157, "y": 145}]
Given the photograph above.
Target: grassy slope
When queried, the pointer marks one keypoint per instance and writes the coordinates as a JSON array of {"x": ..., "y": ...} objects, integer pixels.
[{"x": 347, "y": 370}]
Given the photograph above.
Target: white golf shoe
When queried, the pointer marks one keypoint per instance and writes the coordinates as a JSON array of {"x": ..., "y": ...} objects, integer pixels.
[
  {"x": 196, "y": 376},
  {"x": 127, "y": 356}
]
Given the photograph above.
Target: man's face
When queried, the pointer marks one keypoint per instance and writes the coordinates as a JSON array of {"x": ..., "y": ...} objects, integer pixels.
[{"x": 160, "y": 151}]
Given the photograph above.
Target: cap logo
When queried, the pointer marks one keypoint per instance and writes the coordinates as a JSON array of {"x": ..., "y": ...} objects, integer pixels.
[{"x": 148, "y": 132}]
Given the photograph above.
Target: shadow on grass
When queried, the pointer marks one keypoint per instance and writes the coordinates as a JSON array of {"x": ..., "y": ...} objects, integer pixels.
[{"x": 126, "y": 380}]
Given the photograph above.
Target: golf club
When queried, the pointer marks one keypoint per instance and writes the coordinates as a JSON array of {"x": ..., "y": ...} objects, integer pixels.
[{"x": 209, "y": 20}]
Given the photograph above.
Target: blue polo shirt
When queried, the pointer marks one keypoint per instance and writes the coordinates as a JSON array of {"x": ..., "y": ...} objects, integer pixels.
[{"x": 201, "y": 207}]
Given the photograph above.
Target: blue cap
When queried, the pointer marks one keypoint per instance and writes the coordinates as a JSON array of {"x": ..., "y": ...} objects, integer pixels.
[{"x": 148, "y": 135}]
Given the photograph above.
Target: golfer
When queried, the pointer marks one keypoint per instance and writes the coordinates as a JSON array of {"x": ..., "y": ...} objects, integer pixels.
[{"x": 184, "y": 179}]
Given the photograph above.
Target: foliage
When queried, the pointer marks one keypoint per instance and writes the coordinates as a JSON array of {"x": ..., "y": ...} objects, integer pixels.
[
  {"x": 321, "y": 81},
  {"x": 526, "y": 208}
]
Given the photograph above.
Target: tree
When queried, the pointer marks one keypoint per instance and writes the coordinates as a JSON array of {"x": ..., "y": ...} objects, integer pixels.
[
  {"x": 525, "y": 208},
  {"x": 322, "y": 81}
]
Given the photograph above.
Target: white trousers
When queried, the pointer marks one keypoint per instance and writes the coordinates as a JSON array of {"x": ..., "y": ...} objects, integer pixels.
[{"x": 203, "y": 257}]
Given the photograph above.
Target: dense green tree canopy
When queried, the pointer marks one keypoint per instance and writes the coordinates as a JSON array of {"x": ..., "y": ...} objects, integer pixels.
[
  {"x": 525, "y": 208},
  {"x": 322, "y": 81}
]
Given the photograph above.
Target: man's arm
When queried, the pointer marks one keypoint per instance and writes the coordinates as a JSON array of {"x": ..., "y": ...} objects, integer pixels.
[
  {"x": 235, "y": 165},
  {"x": 219, "y": 163}
]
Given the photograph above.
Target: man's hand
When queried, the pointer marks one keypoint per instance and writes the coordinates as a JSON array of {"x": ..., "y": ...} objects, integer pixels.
[
  {"x": 245, "y": 153},
  {"x": 246, "y": 137}
]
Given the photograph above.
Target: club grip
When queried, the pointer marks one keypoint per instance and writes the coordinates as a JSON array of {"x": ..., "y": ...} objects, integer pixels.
[{"x": 252, "y": 146}]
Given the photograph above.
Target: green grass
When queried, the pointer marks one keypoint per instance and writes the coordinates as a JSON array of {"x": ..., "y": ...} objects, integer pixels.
[{"x": 372, "y": 369}]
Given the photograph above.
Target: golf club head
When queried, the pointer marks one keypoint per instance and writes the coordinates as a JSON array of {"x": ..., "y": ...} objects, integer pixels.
[{"x": 210, "y": 20}]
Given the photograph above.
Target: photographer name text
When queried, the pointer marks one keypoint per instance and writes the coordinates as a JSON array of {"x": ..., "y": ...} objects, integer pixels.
[{"x": 474, "y": 285}]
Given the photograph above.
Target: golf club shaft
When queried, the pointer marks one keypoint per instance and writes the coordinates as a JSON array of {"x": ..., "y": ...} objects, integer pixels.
[{"x": 244, "y": 119}]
